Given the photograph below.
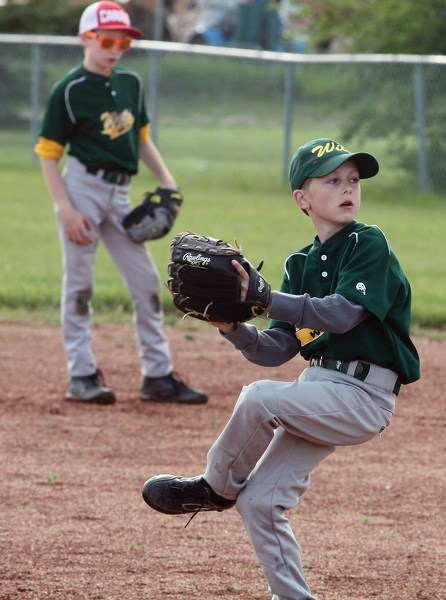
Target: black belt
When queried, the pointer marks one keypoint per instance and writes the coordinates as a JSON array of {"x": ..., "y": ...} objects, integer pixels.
[
  {"x": 113, "y": 177},
  {"x": 361, "y": 370}
]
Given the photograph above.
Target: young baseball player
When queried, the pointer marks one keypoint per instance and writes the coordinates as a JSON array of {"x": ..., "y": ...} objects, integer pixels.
[
  {"x": 99, "y": 111},
  {"x": 344, "y": 305}
]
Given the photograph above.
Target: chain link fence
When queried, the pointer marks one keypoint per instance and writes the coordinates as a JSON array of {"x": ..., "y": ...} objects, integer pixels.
[{"x": 394, "y": 103}]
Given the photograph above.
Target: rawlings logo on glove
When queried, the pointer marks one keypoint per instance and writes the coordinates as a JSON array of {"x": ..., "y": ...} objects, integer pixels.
[
  {"x": 205, "y": 285},
  {"x": 154, "y": 217},
  {"x": 198, "y": 259}
]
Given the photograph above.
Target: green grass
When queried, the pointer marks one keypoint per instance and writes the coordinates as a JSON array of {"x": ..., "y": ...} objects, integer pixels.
[{"x": 231, "y": 178}]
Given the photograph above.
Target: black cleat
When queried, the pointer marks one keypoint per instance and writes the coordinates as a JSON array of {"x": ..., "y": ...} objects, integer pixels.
[
  {"x": 170, "y": 389},
  {"x": 90, "y": 389},
  {"x": 173, "y": 495}
]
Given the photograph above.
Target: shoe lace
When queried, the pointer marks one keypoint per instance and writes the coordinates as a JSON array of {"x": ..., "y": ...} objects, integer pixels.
[
  {"x": 193, "y": 516},
  {"x": 177, "y": 377},
  {"x": 178, "y": 381}
]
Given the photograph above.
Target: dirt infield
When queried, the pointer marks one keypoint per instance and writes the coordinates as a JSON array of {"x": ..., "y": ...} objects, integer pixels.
[{"x": 74, "y": 525}]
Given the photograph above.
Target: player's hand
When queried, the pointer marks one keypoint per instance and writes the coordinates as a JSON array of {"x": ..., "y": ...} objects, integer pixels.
[
  {"x": 244, "y": 276},
  {"x": 229, "y": 327},
  {"x": 175, "y": 207},
  {"x": 76, "y": 226},
  {"x": 224, "y": 327}
]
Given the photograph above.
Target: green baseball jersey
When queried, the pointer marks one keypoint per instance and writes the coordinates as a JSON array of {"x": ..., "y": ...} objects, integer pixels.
[
  {"x": 98, "y": 117},
  {"x": 358, "y": 263}
]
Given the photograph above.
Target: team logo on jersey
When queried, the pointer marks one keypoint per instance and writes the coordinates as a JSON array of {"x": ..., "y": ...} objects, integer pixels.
[
  {"x": 117, "y": 124},
  {"x": 361, "y": 288}
]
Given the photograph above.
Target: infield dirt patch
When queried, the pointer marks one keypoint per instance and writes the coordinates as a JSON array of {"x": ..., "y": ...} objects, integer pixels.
[{"x": 74, "y": 525}]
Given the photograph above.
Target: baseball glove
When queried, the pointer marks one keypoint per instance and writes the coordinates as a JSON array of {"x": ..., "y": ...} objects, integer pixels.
[
  {"x": 154, "y": 217},
  {"x": 205, "y": 285}
]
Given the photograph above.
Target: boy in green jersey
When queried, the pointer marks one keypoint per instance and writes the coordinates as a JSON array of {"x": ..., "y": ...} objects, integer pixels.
[
  {"x": 345, "y": 306},
  {"x": 98, "y": 111}
]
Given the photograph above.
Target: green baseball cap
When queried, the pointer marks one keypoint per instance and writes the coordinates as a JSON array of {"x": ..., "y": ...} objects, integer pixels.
[{"x": 320, "y": 157}]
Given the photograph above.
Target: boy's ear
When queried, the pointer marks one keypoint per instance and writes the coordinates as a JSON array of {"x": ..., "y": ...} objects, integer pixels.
[{"x": 300, "y": 199}]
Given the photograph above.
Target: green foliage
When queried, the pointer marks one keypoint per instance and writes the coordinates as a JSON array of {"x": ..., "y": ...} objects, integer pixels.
[
  {"x": 36, "y": 17},
  {"x": 388, "y": 26},
  {"x": 381, "y": 26},
  {"x": 52, "y": 478},
  {"x": 41, "y": 16}
]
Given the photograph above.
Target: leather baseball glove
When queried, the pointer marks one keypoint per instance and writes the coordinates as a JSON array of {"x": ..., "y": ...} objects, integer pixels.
[
  {"x": 154, "y": 217},
  {"x": 205, "y": 285}
]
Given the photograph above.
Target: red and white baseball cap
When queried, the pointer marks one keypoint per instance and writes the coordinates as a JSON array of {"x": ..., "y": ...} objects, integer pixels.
[{"x": 107, "y": 15}]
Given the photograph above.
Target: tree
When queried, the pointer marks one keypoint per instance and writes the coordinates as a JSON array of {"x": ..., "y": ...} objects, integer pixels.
[
  {"x": 389, "y": 27},
  {"x": 378, "y": 26},
  {"x": 61, "y": 17},
  {"x": 58, "y": 17}
]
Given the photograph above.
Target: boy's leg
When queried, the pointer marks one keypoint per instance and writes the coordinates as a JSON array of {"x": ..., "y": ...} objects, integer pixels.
[
  {"x": 276, "y": 484},
  {"x": 77, "y": 290},
  {"x": 142, "y": 280},
  {"x": 323, "y": 407},
  {"x": 158, "y": 382},
  {"x": 279, "y": 432},
  {"x": 275, "y": 437},
  {"x": 78, "y": 278}
]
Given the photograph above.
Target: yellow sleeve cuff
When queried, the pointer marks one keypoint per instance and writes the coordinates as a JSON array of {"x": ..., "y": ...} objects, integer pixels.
[
  {"x": 144, "y": 134},
  {"x": 49, "y": 149}
]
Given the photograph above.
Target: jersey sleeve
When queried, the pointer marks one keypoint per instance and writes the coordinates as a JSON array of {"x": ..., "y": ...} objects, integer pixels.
[
  {"x": 46, "y": 149},
  {"x": 144, "y": 134},
  {"x": 371, "y": 276},
  {"x": 57, "y": 124}
]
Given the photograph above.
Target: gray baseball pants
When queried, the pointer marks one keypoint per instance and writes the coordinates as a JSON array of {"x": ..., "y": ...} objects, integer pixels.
[
  {"x": 106, "y": 205},
  {"x": 278, "y": 433}
]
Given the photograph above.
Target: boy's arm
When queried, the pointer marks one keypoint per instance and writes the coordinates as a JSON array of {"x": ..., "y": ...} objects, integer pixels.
[
  {"x": 333, "y": 313},
  {"x": 151, "y": 157},
  {"x": 75, "y": 224},
  {"x": 276, "y": 346},
  {"x": 267, "y": 348}
]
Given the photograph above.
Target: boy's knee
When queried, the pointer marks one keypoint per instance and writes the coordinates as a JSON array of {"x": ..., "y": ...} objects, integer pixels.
[
  {"x": 82, "y": 301},
  {"x": 266, "y": 502},
  {"x": 255, "y": 395},
  {"x": 251, "y": 505}
]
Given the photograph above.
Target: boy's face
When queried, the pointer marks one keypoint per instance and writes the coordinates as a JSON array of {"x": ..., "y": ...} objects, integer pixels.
[
  {"x": 104, "y": 48},
  {"x": 332, "y": 201}
]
